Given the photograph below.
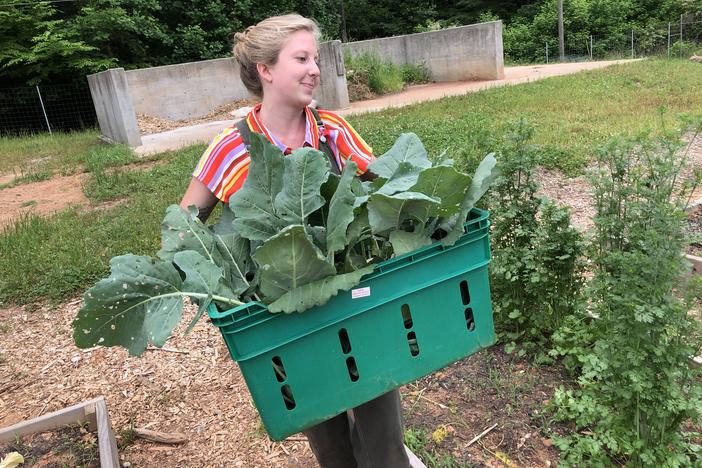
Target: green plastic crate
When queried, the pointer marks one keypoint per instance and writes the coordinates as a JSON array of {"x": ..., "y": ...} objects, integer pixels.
[{"x": 413, "y": 315}]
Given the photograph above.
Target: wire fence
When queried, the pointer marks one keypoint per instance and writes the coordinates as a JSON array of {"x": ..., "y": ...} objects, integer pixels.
[
  {"x": 679, "y": 39},
  {"x": 46, "y": 108}
]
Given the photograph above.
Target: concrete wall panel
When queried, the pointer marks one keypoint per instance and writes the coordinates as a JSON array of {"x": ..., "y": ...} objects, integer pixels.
[
  {"x": 113, "y": 106},
  {"x": 463, "y": 53},
  {"x": 185, "y": 90}
]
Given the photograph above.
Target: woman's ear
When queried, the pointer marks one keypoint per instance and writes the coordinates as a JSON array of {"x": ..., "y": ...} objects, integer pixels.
[{"x": 264, "y": 72}]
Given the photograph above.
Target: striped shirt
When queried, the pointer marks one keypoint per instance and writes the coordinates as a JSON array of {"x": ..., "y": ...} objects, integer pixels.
[{"x": 225, "y": 164}]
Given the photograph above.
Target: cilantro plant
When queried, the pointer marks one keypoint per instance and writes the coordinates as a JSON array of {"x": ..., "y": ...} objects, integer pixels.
[
  {"x": 537, "y": 266},
  {"x": 637, "y": 387},
  {"x": 292, "y": 237}
]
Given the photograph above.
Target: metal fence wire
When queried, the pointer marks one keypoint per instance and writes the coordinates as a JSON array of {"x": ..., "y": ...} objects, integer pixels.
[
  {"x": 46, "y": 108},
  {"x": 675, "y": 39}
]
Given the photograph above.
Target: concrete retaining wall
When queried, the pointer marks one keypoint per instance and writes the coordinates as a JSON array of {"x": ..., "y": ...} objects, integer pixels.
[
  {"x": 463, "y": 53},
  {"x": 113, "y": 106},
  {"x": 185, "y": 90}
]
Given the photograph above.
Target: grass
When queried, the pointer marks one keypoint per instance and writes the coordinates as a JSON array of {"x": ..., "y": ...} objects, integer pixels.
[
  {"x": 61, "y": 256},
  {"x": 39, "y": 157},
  {"x": 572, "y": 114},
  {"x": 58, "y": 257}
]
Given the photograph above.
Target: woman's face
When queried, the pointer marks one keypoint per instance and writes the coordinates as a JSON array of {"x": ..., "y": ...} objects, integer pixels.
[{"x": 294, "y": 77}]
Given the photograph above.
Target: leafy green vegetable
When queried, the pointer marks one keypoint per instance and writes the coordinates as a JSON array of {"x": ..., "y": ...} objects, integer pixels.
[{"x": 292, "y": 237}]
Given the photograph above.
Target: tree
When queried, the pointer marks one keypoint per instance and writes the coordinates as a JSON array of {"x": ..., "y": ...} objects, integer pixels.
[{"x": 37, "y": 47}]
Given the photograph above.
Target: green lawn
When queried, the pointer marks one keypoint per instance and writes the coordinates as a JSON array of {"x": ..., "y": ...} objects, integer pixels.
[
  {"x": 59, "y": 257},
  {"x": 572, "y": 114}
]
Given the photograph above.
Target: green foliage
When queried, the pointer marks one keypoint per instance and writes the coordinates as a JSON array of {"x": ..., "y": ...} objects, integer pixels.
[
  {"x": 537, "y": 266},
  {"x": 36, "y": 46},
  {"x": 414, "y": 73},
  {"x": 381, "y": 76},
  {"x": 637, "y": 387}
]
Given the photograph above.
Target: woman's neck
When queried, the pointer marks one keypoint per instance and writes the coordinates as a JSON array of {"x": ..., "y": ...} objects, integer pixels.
[{"x": 286, "y": 123}]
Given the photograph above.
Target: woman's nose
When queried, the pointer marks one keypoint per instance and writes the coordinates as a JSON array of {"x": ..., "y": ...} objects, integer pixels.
[{"x": 314, "y": 69}]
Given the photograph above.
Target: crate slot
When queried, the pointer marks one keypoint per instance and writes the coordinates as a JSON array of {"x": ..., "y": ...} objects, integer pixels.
[
  {"x": 465, "y": 294},
  {"x": 407, "y": 316},
  {"x": 413, "y": 344},
  {"x": 470, "y": 321},
  {"x": 279, "y": 369},
  {"x": 344, "y": 341},
  {"x": 288, "y": 396},
  {"x": 353, "y": 370}
]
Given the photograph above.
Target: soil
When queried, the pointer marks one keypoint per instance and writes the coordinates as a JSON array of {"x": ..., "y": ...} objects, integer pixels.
[{"x": 72, "y": 446}]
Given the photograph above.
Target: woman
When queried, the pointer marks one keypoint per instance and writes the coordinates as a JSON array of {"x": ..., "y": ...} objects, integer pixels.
[{"x": 278, "y": 62}]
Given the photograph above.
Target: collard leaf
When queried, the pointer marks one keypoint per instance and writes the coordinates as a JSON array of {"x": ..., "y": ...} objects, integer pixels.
[
  {"x": 341, "y": 210},
  {"x": 202, "y": 276},
  {"x": 289, "y": 260},
  {"x": 404, "y": 177},
  {"x": 485, "y": 175},
  {"x": 306, "y": 169},
  {"x": 224, "y": 224},
  {"x": 139, "y": 303},
  {"x": 408, "y": 148},
  {"x": 318, "y": 292},
  {"x": 386, "y": 213},
  {"x": 235, "y": 251},
  {"x": 404, "y": 242},
  {"x": 258, "y": 228},
  {"x": 253, "y": 202},
  {"x": 446, "y": 184},
  {"x": 358, "y": 226},
  {"x": 181, "y": 230}
]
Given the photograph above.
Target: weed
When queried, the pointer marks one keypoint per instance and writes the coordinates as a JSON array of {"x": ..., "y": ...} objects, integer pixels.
[{"x": 126, "y": 436}]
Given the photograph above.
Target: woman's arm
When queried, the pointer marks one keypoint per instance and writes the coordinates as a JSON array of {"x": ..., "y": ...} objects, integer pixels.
[{"x": 199, "y": 194}]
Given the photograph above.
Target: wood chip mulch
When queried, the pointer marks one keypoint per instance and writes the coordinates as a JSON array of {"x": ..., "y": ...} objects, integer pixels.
[{"x": 149, "y": 124}]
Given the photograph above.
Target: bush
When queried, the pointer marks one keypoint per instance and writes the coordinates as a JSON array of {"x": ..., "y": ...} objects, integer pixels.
[
  {"x": 637, "y": 387},
  {"x": 537, "y": 266},
  {"x": 380, "y": 75},
  {"x": 414, "y": 73}
]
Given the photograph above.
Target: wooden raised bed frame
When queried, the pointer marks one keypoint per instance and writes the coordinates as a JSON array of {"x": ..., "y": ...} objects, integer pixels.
[{"x": 91, "y": 412}]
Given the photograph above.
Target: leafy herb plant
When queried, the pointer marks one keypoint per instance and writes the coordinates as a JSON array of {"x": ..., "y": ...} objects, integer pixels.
[
  {"x": 292, "y": 237},
  {"x": 637, "y": 386}
]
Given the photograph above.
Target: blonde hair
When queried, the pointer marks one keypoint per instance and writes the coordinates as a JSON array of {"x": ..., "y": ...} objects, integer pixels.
[{"x": 262, "y": 43}]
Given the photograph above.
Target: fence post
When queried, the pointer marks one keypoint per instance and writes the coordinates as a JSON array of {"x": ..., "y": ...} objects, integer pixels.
[
  {"x": 669, "y": 39},
  {"x": 546, "y": 51},
  {"x": 46, "y": 118},
  {"x": 681, "y": 35},
  {"x": 590, "y": 46},
  {"x": 632, "y": 43}
]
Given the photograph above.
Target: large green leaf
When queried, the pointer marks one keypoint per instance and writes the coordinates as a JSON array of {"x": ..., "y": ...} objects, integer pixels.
[
  {"x": 404, "y": 242},
  {"x": 404, "y": 177},
  {"x": 318, "y": 292},
  {"x": 485, "y": 175},
  {"x": 306, "y": 169},
  {"x": 202, "y": 276},
  {"x": 289, "y": 260},
  {"x": 408, "y": 148},
  {"x": 181, "y": 230},
  {"x": 253, "y": 203},
  {"x": 139, "y": 303},
  {"x": 446, "y": 184},
  {"x": 386, "y": 213},
  {"x": 341, "y": 210}
]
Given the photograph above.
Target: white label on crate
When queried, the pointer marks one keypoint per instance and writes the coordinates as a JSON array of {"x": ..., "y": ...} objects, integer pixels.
[{"x": 360, "y": 292}]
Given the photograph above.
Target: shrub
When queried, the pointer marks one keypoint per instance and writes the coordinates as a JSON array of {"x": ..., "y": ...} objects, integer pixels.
[
  {"x": 537, "y": 266},
  {"x": 414, "y": 73},
  {"x": 380, "y": 75},
  {"x": 637, "y": 387}
]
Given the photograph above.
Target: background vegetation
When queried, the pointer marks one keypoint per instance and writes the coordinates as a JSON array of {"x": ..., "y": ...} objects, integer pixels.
[{"x": 46, "y": 41}]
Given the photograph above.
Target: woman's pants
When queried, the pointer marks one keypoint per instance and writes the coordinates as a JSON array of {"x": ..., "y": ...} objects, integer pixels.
[{"x": 371, "y": 437}]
